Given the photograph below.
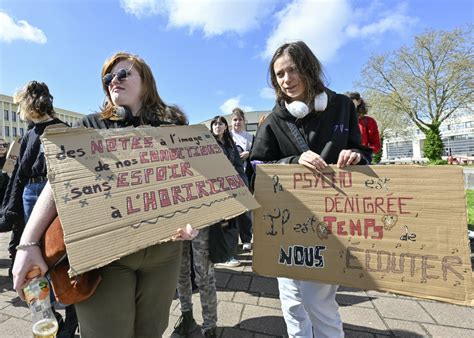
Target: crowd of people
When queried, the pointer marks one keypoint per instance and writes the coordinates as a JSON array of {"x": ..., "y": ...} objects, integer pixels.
[{"x": 134, "y": 296}]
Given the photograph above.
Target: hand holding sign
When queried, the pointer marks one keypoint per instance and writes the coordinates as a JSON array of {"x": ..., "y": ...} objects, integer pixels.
[{"x": 186, "y": 234}]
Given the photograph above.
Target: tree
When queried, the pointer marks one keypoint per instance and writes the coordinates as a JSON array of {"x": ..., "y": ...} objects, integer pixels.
[
  {"x": 428, "y": 82},
  {"x": 389, "y": 120}
]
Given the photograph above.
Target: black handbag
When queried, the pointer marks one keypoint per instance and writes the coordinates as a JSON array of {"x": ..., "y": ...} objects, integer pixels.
[{"x": 223, "y": 241}]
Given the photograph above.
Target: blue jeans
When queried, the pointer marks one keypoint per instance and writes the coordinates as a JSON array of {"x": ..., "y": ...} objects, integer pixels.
[{"x": 30, "y": 196}]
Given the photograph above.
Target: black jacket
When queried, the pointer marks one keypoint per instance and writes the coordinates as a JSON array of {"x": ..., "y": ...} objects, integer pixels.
[
  {"x": 31, "y": 163},
  {"x": 275, "y": 141},
  {"x": 233, "y": 155}
]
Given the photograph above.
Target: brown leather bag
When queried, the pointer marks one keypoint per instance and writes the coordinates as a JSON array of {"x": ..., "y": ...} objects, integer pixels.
[{"x": 68, "y": 290}]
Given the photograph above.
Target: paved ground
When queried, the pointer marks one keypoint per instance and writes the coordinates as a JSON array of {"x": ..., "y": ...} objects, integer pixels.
[{"x": 249, "y": 307}]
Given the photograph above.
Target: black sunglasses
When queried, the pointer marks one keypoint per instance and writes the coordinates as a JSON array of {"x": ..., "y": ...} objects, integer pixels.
[{"x": 120, "y": 74}]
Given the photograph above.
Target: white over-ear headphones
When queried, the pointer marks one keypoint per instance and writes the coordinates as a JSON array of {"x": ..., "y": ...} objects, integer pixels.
[{"x": 299, "y": 109}]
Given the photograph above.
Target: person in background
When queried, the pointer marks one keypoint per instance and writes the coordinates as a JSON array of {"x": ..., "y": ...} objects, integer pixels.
[
  {"x": 4, "y": 178},
  {"x": 203, "y": 267},
  {"x": 5, "y": 224},
  {"x": 243, "y": 140},
  {"x": 368, "y": 126},
  {"x": 28, "y": 178},
  {"x": 313, "y": 126},
  {"x": 3, "y": 175},
  {"x": 134, "y": 296}
]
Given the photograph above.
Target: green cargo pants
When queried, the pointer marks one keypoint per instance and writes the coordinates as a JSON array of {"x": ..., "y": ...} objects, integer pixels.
[{"x": 134, "y": 296}]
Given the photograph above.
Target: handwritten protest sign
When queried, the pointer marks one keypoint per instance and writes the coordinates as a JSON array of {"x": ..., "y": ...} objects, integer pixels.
[
  {"x": 392, "y": 228},
  {"x": 12, "y": 155},
  {"x": 120, "y": 190}
]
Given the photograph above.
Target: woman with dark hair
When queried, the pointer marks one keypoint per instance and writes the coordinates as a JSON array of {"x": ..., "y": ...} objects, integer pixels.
[
  {"x": 134, "y": 296},
  {"x": 28, "y": 178},
  {"x": 220, "y": 129},
  {"x": 313, "y": 126},
  {"x": 35, "y": 104},
  {"x": 367, "y": 125}
]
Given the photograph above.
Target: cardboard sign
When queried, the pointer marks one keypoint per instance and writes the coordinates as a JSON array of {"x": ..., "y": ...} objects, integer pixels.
[
  {"x": 121, "y": 190},
  {"x": 12, "y": 155},
  {"x": 398, "y": 228}
]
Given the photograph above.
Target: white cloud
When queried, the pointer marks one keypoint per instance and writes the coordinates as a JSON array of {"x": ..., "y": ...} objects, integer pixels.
[
  {"x": 141, "y": 8},
  {"x": 393, "y": 20},
  {"x": 320, "y": 23},
  {"x": 233, "y": 102},
  {"x": 213, "y": 17},
  {"x": 327, "y": 25},
  {"x": 22, "y": 30},
  {"x": 267, "y": 93}
]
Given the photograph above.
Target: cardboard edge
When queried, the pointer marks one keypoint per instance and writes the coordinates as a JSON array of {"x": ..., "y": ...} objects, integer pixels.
[{"x": 468, "y": 301}]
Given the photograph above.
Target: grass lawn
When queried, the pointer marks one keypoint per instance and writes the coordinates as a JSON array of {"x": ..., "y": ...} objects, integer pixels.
[{"x": 470, "y": 208}]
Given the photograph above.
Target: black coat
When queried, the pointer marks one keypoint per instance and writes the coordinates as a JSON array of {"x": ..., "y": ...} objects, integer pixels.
[
  {"x": 232, "y": 153},
  {"x": 31, "y": 163},
  {"x": 276, "y": 143}
]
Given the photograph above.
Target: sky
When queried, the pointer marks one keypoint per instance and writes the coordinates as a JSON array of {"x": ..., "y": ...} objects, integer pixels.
[{"x": 207, "y": 56}]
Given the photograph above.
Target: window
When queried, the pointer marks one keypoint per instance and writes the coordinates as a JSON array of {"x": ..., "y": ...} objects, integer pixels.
[
  {"x": 13, "y": 116},
  {"x": 7, "y": 131},
  {"x": 401, "y": 149},
  {"x": 22, "y": 132},
  {"x": 5, "y": 114},
  {"x": 14, "y": 132},
  {"x": 252, "y": 126}
]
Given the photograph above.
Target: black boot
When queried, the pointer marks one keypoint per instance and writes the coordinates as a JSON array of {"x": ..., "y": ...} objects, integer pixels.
[
  {"x": 68, "y": 330},
  {"x": 185, "y": 325}
]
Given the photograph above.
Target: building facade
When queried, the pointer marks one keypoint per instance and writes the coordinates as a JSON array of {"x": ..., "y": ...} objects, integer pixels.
[
  {"x": 457, "y": 135},
  {"x": 11, "y": 126}
]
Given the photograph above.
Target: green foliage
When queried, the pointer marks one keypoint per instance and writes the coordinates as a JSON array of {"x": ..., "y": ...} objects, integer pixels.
[
  {"x": 438, "y": 162},
  {"x": 377, "y": 157},
  {"x": 470, "y": 208},
  {"x": 433, "y": 147}
]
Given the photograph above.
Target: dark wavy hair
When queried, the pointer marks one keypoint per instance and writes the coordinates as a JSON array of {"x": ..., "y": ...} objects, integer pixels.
[
  {"x": 228, "y": 141},
  {"x": 34, "y": 101},
  {"x": 153, "y": 109},
  {"x": 308, "y": 66},
  {"x": 362, "y": 108}
]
